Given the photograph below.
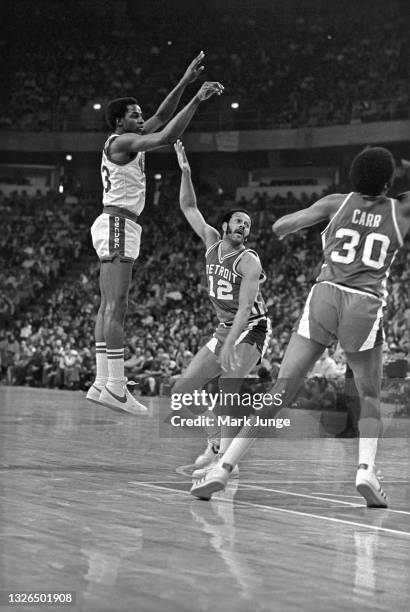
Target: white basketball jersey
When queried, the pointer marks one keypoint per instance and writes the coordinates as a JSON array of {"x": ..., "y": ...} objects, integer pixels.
[{"x": 123, "y": 183}]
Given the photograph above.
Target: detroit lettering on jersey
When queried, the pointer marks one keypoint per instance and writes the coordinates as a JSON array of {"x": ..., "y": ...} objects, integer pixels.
[
  {"x": 224, "y": 283},
  {"x": 360, "y": 243},
  {"x": 124, "y": 184},
  {"x": 222, "y": 271}
]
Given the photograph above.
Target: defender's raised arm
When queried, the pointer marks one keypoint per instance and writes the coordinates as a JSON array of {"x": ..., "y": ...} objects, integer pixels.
[{"x": 187, "y": 200}]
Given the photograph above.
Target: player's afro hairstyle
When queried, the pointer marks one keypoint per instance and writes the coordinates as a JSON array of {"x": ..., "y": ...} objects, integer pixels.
[
  {"x": 228, "y": 215},
  {"x": 116, "y": 109},
  {"x": 371, "y": 170}
]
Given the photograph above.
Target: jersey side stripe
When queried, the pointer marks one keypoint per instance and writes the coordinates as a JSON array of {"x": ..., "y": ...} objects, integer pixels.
[
  {"x": 303, "y": 327},
  {"x": 384, "y": 281},
  {"x": 268, "y": 336},
  {"x": 371, "y": 339},
  {"x": 246, "y": 331},
  {"x": 122, "y": 234},
  {"x": 396, "y": 225}
]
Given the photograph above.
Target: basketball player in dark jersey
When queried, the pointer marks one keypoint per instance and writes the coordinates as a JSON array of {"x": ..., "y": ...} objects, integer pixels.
[
  {"x": 116, "y": 233},
  {"x": 365, "y": 230},
  {"x": 234, "y": 274}
]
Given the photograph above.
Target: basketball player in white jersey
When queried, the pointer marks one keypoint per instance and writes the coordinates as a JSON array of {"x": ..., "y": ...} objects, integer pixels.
[
  {"x": 116, "y": 233},
  {"x": 234, "y": 274},
  {"x": 360, "y": 242}
]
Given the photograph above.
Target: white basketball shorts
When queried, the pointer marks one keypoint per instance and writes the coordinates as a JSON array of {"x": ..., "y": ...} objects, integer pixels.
[{"x": 115, "y": 236}]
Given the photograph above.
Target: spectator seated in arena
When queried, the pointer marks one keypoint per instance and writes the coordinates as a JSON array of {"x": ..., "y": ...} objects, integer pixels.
[
  {"x": 162, "y": 332},
  {"x": 299, "y": 70}
]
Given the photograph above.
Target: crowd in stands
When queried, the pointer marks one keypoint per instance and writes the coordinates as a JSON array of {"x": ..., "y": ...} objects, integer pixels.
[
  {"x": 39, "y": 237},
  {"x": 288, "y": 63},
  {"x": 47, "y": 319}
]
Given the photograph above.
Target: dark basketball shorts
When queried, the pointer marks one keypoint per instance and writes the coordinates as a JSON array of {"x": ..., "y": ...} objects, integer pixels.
[
  {"x": 257, "y": 333},
  {"x": 333, "y": 312},
  {"x": 115, "y": 236}
]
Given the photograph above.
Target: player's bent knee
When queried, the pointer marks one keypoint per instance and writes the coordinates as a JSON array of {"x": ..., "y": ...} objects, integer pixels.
[
  {"x": 102, "y": 307},
  {"x": 116, "y": 309},
  {"x": 370, "y": 409},
  {"x": 369, "y": 388}
]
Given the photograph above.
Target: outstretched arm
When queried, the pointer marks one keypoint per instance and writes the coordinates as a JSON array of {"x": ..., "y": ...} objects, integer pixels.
[
  {"x": 250, "y": 268},
  {"x": 133, "y": 143},
  {"x": 167, "y": 108},
  {"x": 319, "y": 211},
  {"x": 187, "y": 201}
]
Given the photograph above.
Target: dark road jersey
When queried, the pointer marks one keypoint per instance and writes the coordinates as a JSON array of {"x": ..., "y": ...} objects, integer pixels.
[
  {"x": 360, "y": 243},
  {"x": 224, "y": 282}
]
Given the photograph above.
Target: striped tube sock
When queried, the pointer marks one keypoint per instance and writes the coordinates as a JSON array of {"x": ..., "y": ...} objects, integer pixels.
[
  {"x": 116, "y": 377},
  {"x": 101, "y": 374}
]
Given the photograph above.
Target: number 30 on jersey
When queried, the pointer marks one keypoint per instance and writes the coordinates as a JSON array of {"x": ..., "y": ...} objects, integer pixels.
[{"x": 348, "y": 252}]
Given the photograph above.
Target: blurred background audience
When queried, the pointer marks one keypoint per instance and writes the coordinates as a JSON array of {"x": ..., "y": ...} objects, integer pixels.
[
  {"x": 50, "y": 293},
  {"x": 288, "y": 64}
]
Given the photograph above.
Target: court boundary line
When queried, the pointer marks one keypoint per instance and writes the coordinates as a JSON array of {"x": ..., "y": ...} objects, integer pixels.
[
  {"x": 336, "y": 494},
  {"x": 336, "y": 501},
  {"x": 181, "y": 471},
  {"x": 311, "y": 496},
  {"x": 330, "y": 460},
  {"x": 294, "y": 512},
  {"x": 257, "y": 486},
  {"x": 248, "y": 481}
]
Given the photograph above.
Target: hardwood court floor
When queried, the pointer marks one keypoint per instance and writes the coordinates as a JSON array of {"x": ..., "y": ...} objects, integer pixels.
[{"x": 96, "y": 502}]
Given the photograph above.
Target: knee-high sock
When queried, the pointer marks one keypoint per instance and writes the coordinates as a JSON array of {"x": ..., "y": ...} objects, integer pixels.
[
  {"x": 369, "y": 433},
  {"x": 101, "y": 374},
  {"x": 116, "y": 377}
]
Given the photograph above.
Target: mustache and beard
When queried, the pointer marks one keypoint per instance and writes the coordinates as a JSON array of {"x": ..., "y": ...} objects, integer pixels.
[{"x": 232, "y": 232}]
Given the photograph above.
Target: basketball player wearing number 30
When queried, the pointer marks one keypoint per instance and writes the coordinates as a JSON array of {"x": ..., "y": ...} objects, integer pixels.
[
  {"x": 364, "y": 232},
  {"x": 116, "y": 233}
]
